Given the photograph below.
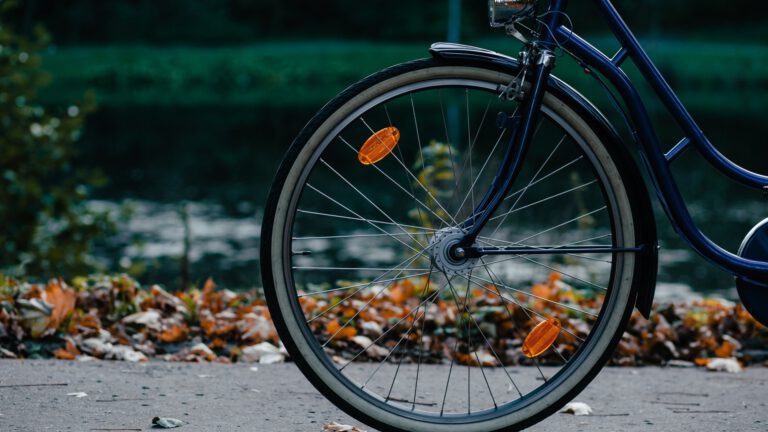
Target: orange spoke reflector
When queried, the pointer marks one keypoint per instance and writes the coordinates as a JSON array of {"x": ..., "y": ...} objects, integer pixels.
[
  {"x": 541, "y": 337},
  {"x": 378, "y": 146}
]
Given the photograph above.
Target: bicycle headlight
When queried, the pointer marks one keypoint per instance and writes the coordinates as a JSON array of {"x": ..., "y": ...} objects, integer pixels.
[{"x": 502, "y": 12}]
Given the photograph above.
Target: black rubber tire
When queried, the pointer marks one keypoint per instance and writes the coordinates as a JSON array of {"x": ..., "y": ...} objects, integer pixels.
[{"x": 617, "y": 154}]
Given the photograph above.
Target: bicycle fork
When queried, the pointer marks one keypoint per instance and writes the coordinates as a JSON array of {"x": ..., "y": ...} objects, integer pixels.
[{"x": 523, "y": 127}]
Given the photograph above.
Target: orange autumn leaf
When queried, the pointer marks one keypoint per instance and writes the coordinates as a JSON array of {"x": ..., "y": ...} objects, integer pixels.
[
  {"x": 725, "y": 350},
  {"x": 308, "y": 304},
  {"x": 63, "y": 354},
  {"x": 542, "y": 291},
  {"x": 554, "y": 277},
  {"x": 702, "y": 361},
  {"x": 398, "y": 294},
  {"x": 207, "y": 295},
  {"x": 176, "y": 333},
  {"x": 62, "y": 299},
  {"x": 408, "y": 287},
  {"x": 69, "y": 352},
  {"x": 217, "y": 343},
  {"x": 332, "y": 327},
  {"x": 89, "y": 321},
  {"x": 348, "y": 312}
]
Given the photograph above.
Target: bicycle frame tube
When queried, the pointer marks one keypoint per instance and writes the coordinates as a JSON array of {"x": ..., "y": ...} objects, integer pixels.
[{"x": 658, "y": 162}]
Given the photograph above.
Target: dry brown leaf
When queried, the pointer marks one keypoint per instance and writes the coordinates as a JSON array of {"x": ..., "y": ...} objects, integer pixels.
[
  {"x": 62, "y": 299},
  {"x": 337, "y": 427},
  {"x": 173, "y": 334}
]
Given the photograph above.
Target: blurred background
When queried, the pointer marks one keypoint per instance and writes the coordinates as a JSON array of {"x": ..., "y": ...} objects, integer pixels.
[{"x": 141, "y": 136}]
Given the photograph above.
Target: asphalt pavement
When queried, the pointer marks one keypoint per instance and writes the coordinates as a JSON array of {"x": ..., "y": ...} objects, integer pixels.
[{"x": 42, "y": 395}]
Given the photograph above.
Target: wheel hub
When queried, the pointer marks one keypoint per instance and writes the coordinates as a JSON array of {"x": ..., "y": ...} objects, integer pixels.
[{"x": 443, "y": 259}]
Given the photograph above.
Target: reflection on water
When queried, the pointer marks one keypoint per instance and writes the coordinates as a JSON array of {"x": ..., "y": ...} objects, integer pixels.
[{"x": 221, "y": 160}]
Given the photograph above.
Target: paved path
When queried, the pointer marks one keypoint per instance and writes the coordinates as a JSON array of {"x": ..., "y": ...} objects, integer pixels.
[{"x": 276, "y": 398}]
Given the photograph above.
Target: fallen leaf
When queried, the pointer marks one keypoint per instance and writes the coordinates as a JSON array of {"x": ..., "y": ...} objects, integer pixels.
[
  {"x": 372, "y": 349},
  {"x": 264, "y": 353},
  {"x": 62, "y": 300},
  {"x": 173, "y": 334},
  {"x": 337, "y": 427},
  {"x": 577, "y": 408},
  {"x": 202, "y": 350},
  {"x": 150, "y": 318},
  {"x": 730, "y": 365},
  {"x": 166, "y": 422},
  {"x": 69, "y": 352},
  {"x": 726, "y": 349}
]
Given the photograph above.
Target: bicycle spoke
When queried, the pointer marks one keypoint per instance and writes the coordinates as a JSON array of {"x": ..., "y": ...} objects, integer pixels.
[
  {"x": 410, "y": 194},
  {"x": 372, "y": 222},
  {"x": 564, "y": 273},
  {"x": 448, "y": 139},
  {"x": 429, "y": 300},
  {"x": 314, "y": 293},
  {"x": 533, "y": 179},
  {"x": 365, "y": 306},
  {"x": 354, "y": 269},
  {"x": 495, "y": 278},
  {"x": 480, "y": 173},
  {"x": 350, "y": 236},
  {"x": 488, "y": 343},
  {"x": 366, "y": 220},
  {"x": 418, "y": 182},
  {"x": 365, "y": 197},
  {"x": 543, "y": 200},
  {"x": 403, "y": 265},
  {"x": 550, "y": 174},
  {"x": 418, "y": 135},
  {"x": 509, "y": 288},
  {"x": 563, "y": 224},
  {"x": 407, "y": 336},
  {"x": 523, "y": 307}
]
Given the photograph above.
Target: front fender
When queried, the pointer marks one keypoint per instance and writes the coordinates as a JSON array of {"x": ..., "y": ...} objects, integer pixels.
[{"x": 645, "y": 229}]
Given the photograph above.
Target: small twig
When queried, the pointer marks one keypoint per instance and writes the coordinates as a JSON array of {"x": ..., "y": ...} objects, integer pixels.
[
  {"x": 610, "y": 415},
  {"x": 675, "y": 403},
  {"x": 700, "y": 412},
  {"x": 33, "y": 385},
  {"x": 685, "y": 394}
]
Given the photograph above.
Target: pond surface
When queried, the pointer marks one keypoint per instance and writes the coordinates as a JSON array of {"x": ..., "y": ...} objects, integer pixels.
[{"x": 213, "y": 165}]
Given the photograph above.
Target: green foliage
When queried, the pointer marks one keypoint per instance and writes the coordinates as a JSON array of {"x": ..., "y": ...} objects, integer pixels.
[
  {"x": 435, "y": 171},
  {"x": 46, "y": 228},
  {"x": 90, "y": 22}
]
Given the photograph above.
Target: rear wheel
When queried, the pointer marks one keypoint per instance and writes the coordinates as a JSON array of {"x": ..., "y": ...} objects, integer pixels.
[{"x": 387, "y": 325}]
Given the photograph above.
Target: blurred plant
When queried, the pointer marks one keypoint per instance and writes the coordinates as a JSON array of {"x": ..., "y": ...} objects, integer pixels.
[
  {"x": 46, "y": 227},
  {"x": 435, "y": 171}
]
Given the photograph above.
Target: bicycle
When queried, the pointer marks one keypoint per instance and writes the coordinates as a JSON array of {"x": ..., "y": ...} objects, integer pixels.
[{"x": 403, "y": 201}]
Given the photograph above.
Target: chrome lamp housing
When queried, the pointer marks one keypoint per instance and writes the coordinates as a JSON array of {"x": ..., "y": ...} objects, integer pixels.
[{"x": 504, "y": 12}]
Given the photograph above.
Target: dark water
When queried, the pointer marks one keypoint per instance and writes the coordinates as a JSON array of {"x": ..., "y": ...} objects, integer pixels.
[{"x": 215, "y": 164}]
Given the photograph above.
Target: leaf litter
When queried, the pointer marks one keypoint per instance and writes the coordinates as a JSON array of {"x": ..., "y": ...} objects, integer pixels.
[{"x": 116, "y": 318}]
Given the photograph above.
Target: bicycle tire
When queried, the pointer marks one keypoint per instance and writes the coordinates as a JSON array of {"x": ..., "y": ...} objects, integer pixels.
[{"x": 277, "y": 255}]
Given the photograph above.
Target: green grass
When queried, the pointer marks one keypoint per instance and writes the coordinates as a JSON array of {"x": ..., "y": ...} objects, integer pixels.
[{"x": 708, "y": 75}]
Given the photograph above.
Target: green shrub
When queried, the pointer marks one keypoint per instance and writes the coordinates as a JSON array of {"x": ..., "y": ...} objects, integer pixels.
[{"x": 45, "y": 227}]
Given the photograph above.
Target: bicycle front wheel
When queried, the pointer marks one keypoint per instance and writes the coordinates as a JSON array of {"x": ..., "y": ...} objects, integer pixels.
[{"x": 380, "y": 319}]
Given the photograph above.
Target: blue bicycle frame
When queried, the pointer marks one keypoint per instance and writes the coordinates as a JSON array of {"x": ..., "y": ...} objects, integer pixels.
[{"x": 657, "y": 162}]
